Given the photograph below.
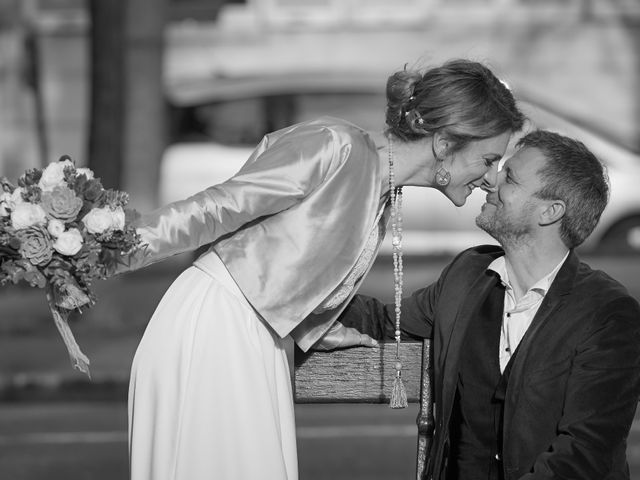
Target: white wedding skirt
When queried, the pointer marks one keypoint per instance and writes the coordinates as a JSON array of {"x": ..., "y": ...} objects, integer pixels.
[{"x": 210, "y": 394}]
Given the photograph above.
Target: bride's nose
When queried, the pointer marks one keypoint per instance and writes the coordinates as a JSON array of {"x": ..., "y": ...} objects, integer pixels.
[{"x": 490, "y": 178}]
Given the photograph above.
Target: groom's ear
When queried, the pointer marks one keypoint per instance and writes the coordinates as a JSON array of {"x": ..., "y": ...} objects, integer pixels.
[{"x": 553, "y": 212}]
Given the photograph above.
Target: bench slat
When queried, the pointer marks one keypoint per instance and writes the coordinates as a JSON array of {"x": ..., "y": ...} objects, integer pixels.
[
  {"x": 362, "y": 375},
  {"x": 365, "y": 375}
]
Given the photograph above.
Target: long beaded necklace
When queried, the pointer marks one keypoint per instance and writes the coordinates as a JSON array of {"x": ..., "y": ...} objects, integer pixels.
[{"x": 398, "y": 393}]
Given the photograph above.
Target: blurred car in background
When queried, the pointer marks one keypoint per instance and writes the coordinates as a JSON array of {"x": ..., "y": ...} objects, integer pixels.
[{"x": 214, "y": 133}]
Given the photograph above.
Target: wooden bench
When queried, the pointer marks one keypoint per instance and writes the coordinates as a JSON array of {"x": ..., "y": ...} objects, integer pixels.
[{"x": 365, "y": 375}]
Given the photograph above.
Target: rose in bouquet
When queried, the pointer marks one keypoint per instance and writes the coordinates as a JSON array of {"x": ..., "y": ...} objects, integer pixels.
[{"x": 60, "y": 229}]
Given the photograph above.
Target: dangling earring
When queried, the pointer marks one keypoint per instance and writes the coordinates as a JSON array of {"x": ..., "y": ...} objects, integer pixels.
[{"x": 443, "y": 176}]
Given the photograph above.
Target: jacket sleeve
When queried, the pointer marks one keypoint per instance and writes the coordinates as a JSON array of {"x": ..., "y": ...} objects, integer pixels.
[
  {"x": 377, "y": 319},
  {"x": 601, "y": 398},
  {"x": 279, "y": 173},
  {"x": 417, "y": 313}
]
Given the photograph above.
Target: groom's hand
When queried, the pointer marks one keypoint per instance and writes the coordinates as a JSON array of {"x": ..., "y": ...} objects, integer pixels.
[{"x": 339, "y": 336}]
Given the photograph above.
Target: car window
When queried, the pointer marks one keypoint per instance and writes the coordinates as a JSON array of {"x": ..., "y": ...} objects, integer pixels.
[{"x": 365, "y": 110}]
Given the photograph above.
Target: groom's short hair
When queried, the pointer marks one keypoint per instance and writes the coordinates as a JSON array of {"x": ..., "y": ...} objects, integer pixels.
[{"x": 573, "y": 174}]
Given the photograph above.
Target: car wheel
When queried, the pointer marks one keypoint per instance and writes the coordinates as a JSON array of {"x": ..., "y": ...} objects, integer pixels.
[{"x": 622, "y": 238}]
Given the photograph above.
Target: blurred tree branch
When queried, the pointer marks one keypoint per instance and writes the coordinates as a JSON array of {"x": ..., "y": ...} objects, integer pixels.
[
  {"x": 107, "y": 80},
  {"x": 127, "y": 106},
  {"x": 145, "y": 106}
]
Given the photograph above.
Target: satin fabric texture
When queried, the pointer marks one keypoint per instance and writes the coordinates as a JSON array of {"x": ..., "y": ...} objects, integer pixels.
[
  {"x": 210, "y": 393},
  {"x": 289, "y": 226}
]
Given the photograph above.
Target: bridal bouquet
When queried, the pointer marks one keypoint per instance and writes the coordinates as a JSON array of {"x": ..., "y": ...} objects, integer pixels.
[{"x": 60, "y": 230}]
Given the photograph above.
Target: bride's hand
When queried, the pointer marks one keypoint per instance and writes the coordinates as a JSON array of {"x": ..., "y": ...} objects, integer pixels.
[{"x": 339, "y": 336}]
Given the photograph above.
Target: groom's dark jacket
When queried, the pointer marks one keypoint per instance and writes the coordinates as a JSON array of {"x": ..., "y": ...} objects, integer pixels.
[{"x": 573, "y": 384}]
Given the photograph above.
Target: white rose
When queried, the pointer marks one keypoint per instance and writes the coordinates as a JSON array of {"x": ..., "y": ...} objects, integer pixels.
[
  {"x": 86, "y": 172},
  {"x": 16, "y": 198},
  {"x": 55, "y": 227},
  {"x": 5, "y": 199},
  {"x": 117, "y": 219},
  {"x": 53, "y": 175},
  {"x": 98, "y": 220},
  {"x": 27, "y": 214},
  {"x": 69, "y": 242}
]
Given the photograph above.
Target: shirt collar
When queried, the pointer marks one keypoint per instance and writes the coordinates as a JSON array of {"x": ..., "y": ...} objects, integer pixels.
[{"x": 499, "y": 265}]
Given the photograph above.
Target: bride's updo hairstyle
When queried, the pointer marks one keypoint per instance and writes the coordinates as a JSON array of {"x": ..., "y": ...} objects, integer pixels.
[{"x": 462, "y": 99}]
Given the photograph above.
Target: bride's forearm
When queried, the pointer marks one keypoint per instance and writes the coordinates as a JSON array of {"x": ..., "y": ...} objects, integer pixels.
[{"x": 171, "y": 230}]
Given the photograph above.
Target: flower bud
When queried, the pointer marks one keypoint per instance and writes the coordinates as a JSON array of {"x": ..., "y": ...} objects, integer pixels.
[
  {"x": 117, "y": 219},
  {"x": 55, "y": 227},
  {"x": 86, "y": 172}
]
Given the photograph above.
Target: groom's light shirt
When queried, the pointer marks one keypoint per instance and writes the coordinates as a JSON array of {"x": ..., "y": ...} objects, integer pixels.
[{"x": 518, "y": 315}]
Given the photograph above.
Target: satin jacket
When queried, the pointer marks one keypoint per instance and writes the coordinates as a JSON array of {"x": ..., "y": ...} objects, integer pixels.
[
  {"x": 574, "y": 384},
  {"x": 288, "y": 226}
]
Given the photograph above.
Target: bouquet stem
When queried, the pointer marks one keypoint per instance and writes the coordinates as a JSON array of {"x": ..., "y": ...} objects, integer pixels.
[{"x": 78, "y": 359}]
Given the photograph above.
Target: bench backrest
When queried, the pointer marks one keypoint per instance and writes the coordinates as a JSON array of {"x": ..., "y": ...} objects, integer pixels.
[{"x": 365, "y": 375}]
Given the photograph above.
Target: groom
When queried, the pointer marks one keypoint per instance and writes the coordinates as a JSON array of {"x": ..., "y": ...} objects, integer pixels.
[{"x": 536, "y": 357}]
